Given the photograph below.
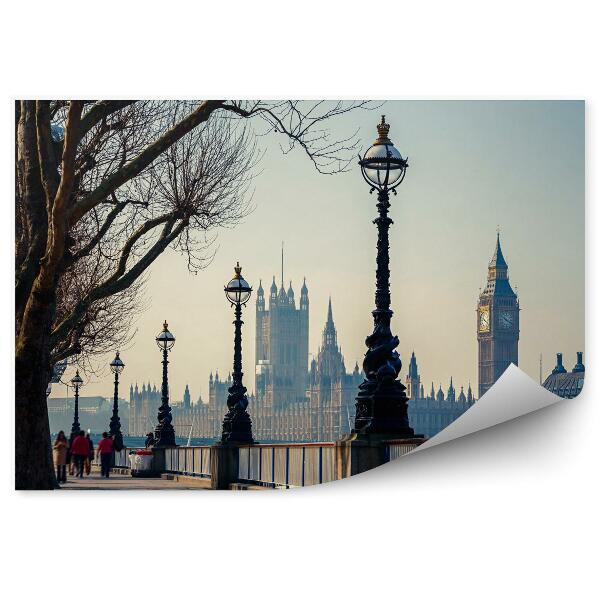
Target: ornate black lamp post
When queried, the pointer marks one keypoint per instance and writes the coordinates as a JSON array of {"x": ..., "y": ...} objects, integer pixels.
[
  {"x": 381, "y": 404},
  {"x": 237, "y": 426},
  {"x": 164, "y": 432},
  {"x": 116, "y": 366},
  {"x": 76, "y": 382}
]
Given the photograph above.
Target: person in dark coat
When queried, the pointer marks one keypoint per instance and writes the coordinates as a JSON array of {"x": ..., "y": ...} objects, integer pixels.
[
  {"x": 60, "y": 447},
  {"x": 150, "y": 440}
]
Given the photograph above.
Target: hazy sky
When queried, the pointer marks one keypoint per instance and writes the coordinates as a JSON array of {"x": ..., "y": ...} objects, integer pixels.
[{"x": 474, "y": 166}]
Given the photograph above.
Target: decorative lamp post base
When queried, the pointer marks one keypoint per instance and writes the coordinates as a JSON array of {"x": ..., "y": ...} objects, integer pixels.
[
  {"x": 381, "y": 403},
  {"x": 237, "y": 428},
  {"x": 382, "y": 410},
  {"x": 164, "y": 435},
  {"x": 115, "y": 431},
  {"x": 118, "y": 443}
]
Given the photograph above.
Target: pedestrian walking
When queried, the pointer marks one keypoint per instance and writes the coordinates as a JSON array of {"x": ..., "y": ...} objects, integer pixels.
[
  {"x": 59, "y": 448},
  {"x": 90, "y": 456},
  {"x": 105, "y": 451},
  {"x": 149, "y": 440},
  {"x": 80, "y": 450}
]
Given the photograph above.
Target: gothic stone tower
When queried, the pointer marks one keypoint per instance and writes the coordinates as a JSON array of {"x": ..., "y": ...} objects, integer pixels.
[
  {"x": 497, "y": 323},
  {"x": 332, "y": 391},
  {"x": 281, "y": 346},
  {"x": 413, "y": 380}
]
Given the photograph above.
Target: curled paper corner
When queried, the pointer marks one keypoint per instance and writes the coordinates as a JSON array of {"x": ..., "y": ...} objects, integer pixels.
[{"x": 513, "y": 395}]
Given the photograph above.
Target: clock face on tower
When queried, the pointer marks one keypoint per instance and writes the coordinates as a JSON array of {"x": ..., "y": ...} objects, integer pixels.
[
  {"x": 484, "y": 318},
  {"x": 506, "y": 319}
]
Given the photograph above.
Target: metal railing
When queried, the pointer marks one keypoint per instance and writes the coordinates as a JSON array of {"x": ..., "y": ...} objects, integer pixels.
[
  {"x": 287, "y": 465},
  {"x": 121, "y": 458},
  {"x": 397, "y": 448},
  {"x": 188, "y": 460},
  {"x": 270, "y": 465}
]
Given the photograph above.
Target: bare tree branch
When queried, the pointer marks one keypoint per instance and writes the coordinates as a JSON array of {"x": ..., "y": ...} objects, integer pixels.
[
  {"x": 100, "y": 110},
  {"x": 145, "y": 158}
]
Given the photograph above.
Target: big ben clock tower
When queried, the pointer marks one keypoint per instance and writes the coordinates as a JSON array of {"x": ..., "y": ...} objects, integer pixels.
[{"x": 497, "y": 323}]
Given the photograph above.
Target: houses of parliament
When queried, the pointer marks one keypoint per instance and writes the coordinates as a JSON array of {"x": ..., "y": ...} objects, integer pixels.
[{"x": 294, "y": 403}]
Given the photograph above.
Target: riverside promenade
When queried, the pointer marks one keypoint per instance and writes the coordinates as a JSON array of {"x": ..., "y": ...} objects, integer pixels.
[
  {"x": 247, "y": 467},
  {"x": 119, "y": 481}
]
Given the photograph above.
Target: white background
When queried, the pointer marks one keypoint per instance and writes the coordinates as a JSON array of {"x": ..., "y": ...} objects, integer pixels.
[{"x": 510, "y": 512}]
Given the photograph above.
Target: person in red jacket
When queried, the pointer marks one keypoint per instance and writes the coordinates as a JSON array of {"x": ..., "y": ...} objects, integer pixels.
[
  {"x": 80, "y": 449},
  {"x": 105, "y": 450}
]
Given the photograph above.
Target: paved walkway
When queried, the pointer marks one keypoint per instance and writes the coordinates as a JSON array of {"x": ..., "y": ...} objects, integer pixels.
[{"x": 126, "y": 482}]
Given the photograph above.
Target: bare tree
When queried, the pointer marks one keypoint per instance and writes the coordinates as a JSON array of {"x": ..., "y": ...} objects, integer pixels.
[{"x": 103, "y": 188}]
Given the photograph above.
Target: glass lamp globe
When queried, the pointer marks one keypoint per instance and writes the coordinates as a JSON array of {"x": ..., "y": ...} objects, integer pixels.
[
  {"x": 165, "y": 339},
  {"x": 238, "y": 290},
  {"x": 77, "y": 382},
  {"x": 382, "y": 165},
  {"x": 117, "y": 365}
]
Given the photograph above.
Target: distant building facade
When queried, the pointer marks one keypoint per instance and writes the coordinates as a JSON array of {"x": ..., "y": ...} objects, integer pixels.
[
  {"x": 297, "y": 403},
  {"x": 322, "y": 405},
  {"x": 332, "y": 391},
  {"x": 143, "y": 408},
  {"x": 315, "y": 404},
  {"x": 497, "y": 323},
  {"x": 189, "y": 419},
  {"x": 563, "y": 383},
  {"x": 429, "y": 414},
  {"x": 281, "y": 346},
  {"x": 94, "y": 413}
]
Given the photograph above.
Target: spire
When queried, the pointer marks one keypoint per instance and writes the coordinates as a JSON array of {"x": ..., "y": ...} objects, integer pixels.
[
  {"x": 440, "y": 394},
  {"x": 451, "y": 395},
  {"x": 282, "y": 264},
  {"x": 260, "y": 298},
  {"x": 497, "y": 277},
  {"x": 559, "y": 368},
  {"x": 304, "y": 297},
  {"x": 273, "y": 295},
  {"x": 282, "y": 294},
  {"x": 329, "y": 333},
  {"x": 498, "y": 261},
  {"x": 579, "y": 367},
  {"x": 412, "y": 367}
]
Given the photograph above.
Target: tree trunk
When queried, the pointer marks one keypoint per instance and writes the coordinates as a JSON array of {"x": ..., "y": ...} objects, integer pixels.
[{"x": 34, "y": 467}]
